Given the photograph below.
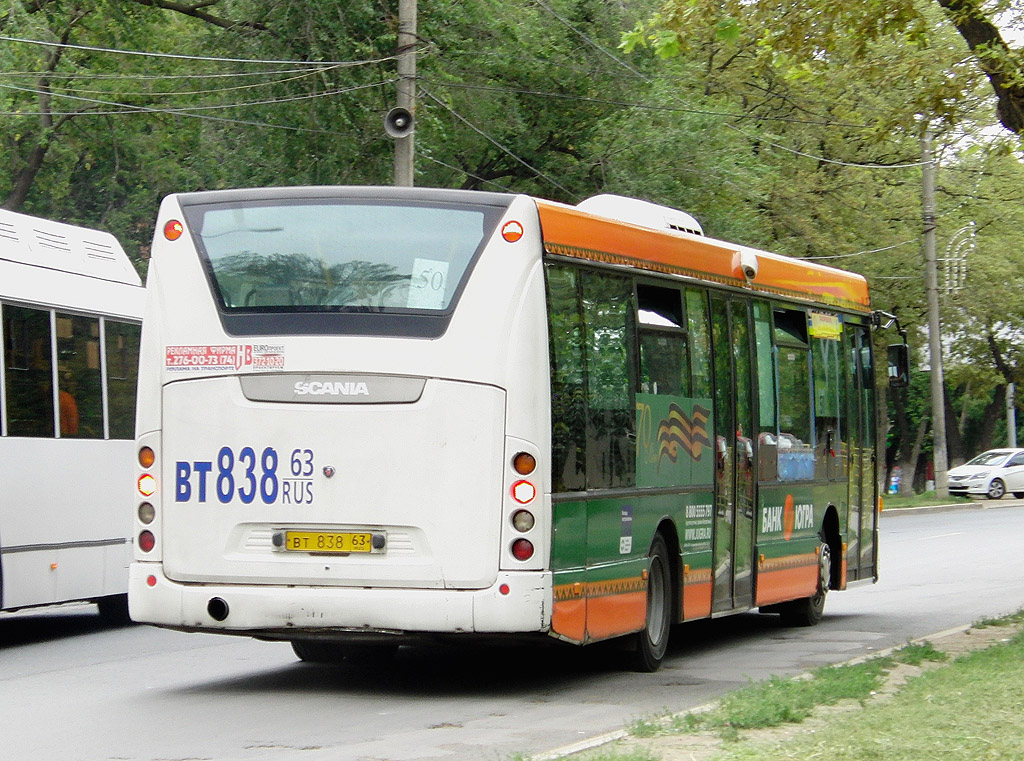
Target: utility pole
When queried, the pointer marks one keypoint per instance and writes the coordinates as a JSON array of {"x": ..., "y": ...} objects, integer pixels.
[
  {"x": 404, "y": 145},
  {"x": 1011, "y": 415},
  {"x": 934, "y": 328}
]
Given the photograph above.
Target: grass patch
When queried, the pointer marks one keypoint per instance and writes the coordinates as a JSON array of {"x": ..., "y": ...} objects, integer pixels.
[
  {"x": 783, "y": 700},
  {"x": 917, "y": 653},
  {"x": 969, "y": 709},
  {"x": 925, "y": 499},
  {"x": 1010, "y": 620}
]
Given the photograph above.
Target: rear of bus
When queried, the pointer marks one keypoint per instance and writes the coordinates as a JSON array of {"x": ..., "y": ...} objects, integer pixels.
[{"x": 343, "y": 412}]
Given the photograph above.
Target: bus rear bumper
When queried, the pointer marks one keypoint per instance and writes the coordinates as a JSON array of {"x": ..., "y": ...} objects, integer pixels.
[{"x": 516, "y": 602}]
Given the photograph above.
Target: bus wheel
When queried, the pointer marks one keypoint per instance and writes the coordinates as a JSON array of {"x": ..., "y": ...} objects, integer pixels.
[
  {"x": 114, "y": 609},
  {"x": 809, "y": 610},
  {"x": 335, "y": 653},
  {"x": 652, "y": 641}
]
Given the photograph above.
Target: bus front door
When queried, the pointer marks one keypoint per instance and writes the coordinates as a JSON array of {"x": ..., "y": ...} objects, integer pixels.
[{"x": 861, "y": 549}]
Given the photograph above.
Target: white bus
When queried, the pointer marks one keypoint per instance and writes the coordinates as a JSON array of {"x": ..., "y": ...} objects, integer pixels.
[
  {"x": 70, "y": 309},
  {"x": 367, "y": 414}
]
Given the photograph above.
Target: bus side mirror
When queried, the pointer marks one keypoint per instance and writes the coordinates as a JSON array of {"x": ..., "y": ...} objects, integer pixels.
[{"x": 899, "y": 366}]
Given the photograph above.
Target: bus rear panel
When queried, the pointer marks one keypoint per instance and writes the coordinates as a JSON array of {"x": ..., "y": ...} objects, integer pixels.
[{"x": 336, "y": 417}]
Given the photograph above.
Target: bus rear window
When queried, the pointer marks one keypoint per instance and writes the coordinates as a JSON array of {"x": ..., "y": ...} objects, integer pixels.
[{"x": 338, "y": 256}]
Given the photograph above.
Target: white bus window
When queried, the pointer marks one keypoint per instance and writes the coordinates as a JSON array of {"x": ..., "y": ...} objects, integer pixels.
[
  {"x": 79, "y": 381},
  {"x": 28, "y": 372},
  {"x": 122, "y": 347}
]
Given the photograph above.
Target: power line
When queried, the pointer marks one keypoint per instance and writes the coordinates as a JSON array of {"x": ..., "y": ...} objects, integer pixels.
[
  {"x": 821, "y": 158},
  {"x": 466, "y": 172},
  {"x": 155, "y": 77},
  {"x": 861, "y": 253},
  {"x": 590, "y": 41},
  {"x": 128, "y": 109},
  {"x": 210, "y": 91},
  {"x": 638, "y": 106},
  {"x": 178, "y": 56},
  {"x": 491, "y": 140}
]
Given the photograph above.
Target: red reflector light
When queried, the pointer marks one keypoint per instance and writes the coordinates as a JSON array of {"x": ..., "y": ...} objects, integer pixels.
[
  {"x": 522, "y": 549},
  {"x": 173, "y": 230},
  {"x": 504, "y": 589},
  {"x": 146, "y": 541},
  {"x": 523, "y": 492},
  {"x": 151, "y": 581},
  {"x": 147, "y": 485}
]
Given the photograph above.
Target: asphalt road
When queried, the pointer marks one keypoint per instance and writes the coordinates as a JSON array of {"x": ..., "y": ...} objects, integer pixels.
[{"x": 74, "y": 689}]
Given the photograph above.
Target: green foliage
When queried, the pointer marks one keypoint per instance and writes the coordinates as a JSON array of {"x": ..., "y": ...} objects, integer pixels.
[{"x": 773, "y": 122}]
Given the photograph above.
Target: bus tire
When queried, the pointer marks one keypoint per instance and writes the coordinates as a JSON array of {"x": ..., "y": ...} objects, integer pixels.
[
  {"x": 114, "y": 609},
  {"x": 808, "y": 611},
  {"x": 652, "y": 640},
  {"x": 336, "y": 653}
]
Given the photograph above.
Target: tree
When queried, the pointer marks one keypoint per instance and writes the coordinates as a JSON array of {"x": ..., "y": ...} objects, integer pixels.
[{"x": 805, "y": 32}]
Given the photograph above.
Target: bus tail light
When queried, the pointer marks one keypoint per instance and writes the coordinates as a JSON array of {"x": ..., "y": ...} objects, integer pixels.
[
  {"x": 523, "y": 492},
  {"x": 522, "y": 549},
  {"x": 523, "y": 520},
  {"x": 524, "y": 463},
  {"x": 147, "y": 541},
  {"x": 146, "y": 457},
  {"x": 147, "y": 485}
]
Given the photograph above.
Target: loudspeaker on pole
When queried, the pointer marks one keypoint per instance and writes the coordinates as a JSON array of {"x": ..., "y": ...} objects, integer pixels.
[{"x": 398, "y": 122}]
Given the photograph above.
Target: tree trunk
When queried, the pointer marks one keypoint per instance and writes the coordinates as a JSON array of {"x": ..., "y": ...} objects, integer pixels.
[
  {"x": 1003, "y": 67},
  {"x": 25, "y": 178},
  {"x": 909, "y": 465}
]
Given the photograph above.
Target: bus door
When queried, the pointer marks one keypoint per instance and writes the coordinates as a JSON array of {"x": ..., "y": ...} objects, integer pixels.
[
  {"x": 734, "y": 455},
  {"x": 861, "y": 549}
]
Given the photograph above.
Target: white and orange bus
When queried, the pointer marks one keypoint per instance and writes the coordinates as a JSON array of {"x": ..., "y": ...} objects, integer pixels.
[
  {"x": 70, "y": 309},
  {"x": 368, "y": 414}
]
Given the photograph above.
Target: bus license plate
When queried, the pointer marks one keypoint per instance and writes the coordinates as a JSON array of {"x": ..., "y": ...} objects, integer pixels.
[{"x": 328, "y": 541}]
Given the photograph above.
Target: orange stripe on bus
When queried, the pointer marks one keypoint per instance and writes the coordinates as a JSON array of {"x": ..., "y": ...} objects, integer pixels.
[
  {"x": 786, "y": 584},
  {"x": 612, "y": 615},
  {"x": 571, "y": 232},
  {"x": 697, "y": 600},
  {"x": 569, "y": 619},
  {"x": 583, "y": 612}
]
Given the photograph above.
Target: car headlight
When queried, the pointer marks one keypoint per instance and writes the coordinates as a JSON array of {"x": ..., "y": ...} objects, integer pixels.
[{"x": 979, "y": 476}]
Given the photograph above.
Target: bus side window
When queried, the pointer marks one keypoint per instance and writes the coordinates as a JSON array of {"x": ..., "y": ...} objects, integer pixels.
[
  {"x": 828, "y": 417},
  {"x": 122, "y": 354},
  {"x": 700, "y": 342},
  {"x": 796, "y": 453},
  {"x": 568, "y": 400},
  {"x": 767, "y": 428},
  {"x": 609, "y": 314},
  {"x": 664, "y": 365},
  {"x": 79, "y": 378},
  {"x": 28, "y": 372}
]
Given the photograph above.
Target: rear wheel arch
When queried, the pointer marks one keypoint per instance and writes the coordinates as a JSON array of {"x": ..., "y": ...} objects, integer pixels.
[{"x": 831, "y": 536}]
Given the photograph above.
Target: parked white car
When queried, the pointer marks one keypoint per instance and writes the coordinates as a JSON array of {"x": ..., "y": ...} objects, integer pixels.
[{"x": 992, "y": 473}]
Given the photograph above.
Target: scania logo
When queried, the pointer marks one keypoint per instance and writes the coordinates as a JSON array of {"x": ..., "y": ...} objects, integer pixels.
[{"x": 333, "y": 388}]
